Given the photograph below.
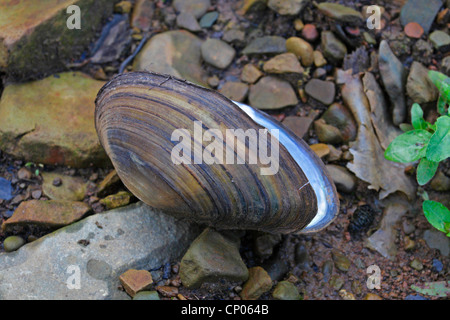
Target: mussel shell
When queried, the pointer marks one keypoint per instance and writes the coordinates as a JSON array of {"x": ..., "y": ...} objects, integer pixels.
[{"x": 136, "y": 114}]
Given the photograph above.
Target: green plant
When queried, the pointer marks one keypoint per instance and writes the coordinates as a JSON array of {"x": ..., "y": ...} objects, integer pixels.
[{"x": 429, "y": 144}]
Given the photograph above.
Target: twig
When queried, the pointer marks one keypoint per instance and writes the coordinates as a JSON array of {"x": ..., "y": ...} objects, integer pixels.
[{"x": 133, "y": 55}]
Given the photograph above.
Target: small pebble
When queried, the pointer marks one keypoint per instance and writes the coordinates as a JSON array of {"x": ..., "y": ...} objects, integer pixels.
[
  {"x": 416, "y": 264},
  {"x": 437, "y": 265},
  {"x": 57, "y": 182},
  {"x": 346, "y": 295},
  {"x": 414, "y": 30},
  {"x": 24, "y": 174},
  {"x": 298, "y": 25},
  {"x": 372, "y": 296},
  {"x": 309, "y": 32},
  {"x": 146, "y": 295},
  {"x": 13, "y": 243},
  {"x": 36, "y": 194}
]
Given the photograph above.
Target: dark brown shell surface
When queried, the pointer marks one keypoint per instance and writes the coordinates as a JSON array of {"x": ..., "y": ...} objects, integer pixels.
[{"x": 136, "y": 114}]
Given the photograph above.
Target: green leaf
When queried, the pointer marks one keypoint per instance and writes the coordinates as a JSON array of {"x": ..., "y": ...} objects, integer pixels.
[
  {"x": 435, "y": 289},
  {"x": 439, "y": 145},
  {"x": 417, "y": 119},
  {"x": 441, "y": 105},
  {"x": 442, "y": 82},
  {"x": 409, "y": 146},
  {"x": 426, "y": 170},
  {"x": 437, "y": 215}
]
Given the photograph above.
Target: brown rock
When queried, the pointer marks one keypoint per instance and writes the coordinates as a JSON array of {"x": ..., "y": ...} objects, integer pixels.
[
  {"x": 62, "y": 187},
  {"x": 322, "y": 91},
  {"x": 167, "y": 291},
  {"x": 24, "y": 174},
  {"x": 302, "y": 49},
  {"x": 272, "y": 93},
  {"x": 320, "y": 149},
  {"x": 142, "y": 15},
  {"x": 299, "y": 125},
  {"x": 51, "y": 121},
  {"x": 372, "y": 296},
  {"x": 319, "y": 60},
  {"x": 51, "y": 214},
  {"x": 251, "y": 74},
  {"x": 310, "y": 33},
  {"x": 177, "y": 53},
  {"x": 414, "y": 30},
  {"x": 283, "y": 63},
  {"x": 134, "y": 281},
  {"x": 258, "y": 283},
  {"x": 34, "y": 37},
  {"x": 236, "y": 91}
]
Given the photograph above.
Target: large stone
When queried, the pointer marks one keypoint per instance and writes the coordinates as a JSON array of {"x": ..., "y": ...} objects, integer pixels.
[
  {"x": 70, "y": 188},
  {"x": 266, "y": 45},
  {"x": 421, "y": 12},
  {"x": 175, "y": 53},
  {"x": 134, "y": 237},
  {"x": 217, "y": 53},
  {"x": 49, "y": 214},
  {"x": 287, "y": 7},
  {"x": 51, "y": 121},
  {"x": 212, "y": 256},
  {"x": 419, "y": 86},
  {"x": 35, "y": 39},
  {"x": 393, "y": 74},
  {"x": 272, "y": 93}
]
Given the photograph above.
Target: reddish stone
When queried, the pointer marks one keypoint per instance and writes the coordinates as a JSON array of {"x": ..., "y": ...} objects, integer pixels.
[
  {"x": 134, "y": 281},
  {"x": 353, "y": 31},
  {"x": 310, "y": 32},
  {"x": 414, "y": 30},
  {"x": 167, "y": 291},
  {"x": 52, "y": 214}
]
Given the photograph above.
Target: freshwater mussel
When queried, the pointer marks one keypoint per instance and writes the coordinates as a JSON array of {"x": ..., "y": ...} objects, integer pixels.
[{"x": 144, "y": 119}]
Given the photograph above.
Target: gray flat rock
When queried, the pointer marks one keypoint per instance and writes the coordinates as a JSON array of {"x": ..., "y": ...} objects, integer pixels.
[{"x": 113, "y": 242}]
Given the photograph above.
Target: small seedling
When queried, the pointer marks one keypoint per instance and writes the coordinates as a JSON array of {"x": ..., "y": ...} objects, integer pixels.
[{"x": 429, "y": 144}]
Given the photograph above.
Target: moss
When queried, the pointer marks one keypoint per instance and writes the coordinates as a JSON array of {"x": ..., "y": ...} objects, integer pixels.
[{"x": 51, "y": 46}]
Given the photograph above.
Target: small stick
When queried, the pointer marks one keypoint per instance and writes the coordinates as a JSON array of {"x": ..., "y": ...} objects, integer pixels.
[{"x": 133, "y": 55}]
